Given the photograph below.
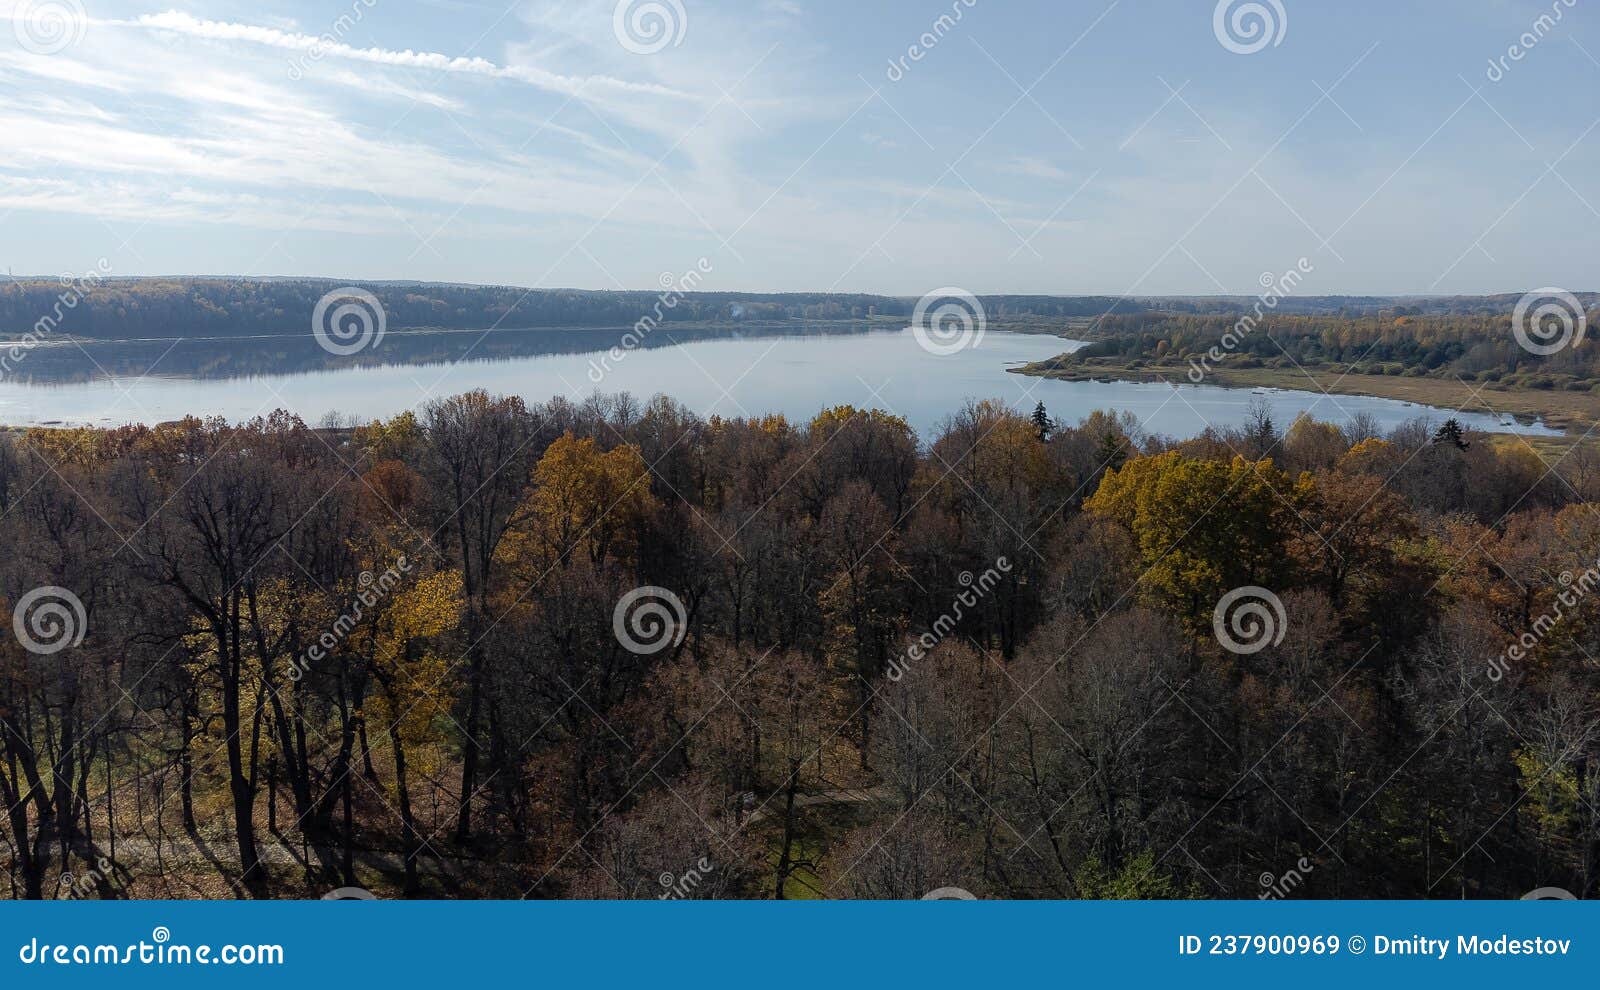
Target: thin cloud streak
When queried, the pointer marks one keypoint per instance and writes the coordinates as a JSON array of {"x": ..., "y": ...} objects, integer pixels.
[{"x": 323, "y": 47}]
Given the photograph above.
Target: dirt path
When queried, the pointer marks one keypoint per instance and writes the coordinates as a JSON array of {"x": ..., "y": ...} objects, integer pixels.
[{"x": 882, "y": 794}]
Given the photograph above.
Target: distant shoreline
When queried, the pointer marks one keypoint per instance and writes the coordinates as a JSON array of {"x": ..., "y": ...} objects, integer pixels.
[
  {"x": 881, "y": 322},
  {"x": 426, "y": 330}
]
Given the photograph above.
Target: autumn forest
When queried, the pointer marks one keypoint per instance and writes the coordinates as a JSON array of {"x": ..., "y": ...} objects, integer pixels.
[{"x": 614, "y": 650}]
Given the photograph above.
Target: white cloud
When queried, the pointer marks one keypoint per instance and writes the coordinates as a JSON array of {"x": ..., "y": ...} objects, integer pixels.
[
  {"x": 188, "y": 204},
  {"x": 1036, "y": 168},
  {"x": 316, "y": 49},
  {"x": 380, "y": 86}
]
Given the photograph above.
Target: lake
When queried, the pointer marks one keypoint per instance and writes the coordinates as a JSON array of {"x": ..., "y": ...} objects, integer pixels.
[{"x": 714, "y": 372}]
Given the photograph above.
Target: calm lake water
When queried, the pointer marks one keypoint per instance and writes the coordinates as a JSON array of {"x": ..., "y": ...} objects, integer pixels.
[{"x": 727, "y": 373}]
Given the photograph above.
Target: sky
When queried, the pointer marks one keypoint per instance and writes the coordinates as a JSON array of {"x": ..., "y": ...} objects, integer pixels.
[{"x": 894, "y": 146}]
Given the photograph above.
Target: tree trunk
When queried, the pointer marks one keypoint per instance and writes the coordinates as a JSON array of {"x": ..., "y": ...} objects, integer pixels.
[
  {"x": 469, "y": 749},
  {"x": 240, "y": 786},
  {"x": 785, "y": 861},
  {"x": 408, "y": 827}
]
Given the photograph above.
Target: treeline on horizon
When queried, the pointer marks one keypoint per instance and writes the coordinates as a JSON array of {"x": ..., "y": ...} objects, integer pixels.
[
  {"x": 392, "y": 656},
  {"x": 1471, "y": 347},
  {"x": 123, "y": 308}
]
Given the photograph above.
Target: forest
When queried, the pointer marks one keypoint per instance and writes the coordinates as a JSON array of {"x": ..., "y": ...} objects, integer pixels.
[
  {"x": 1459, "y": 346},
  {"x": 100, "y": 305},
  {"x": 614, "y": 650},
  {"x": 103, "y": 307}
]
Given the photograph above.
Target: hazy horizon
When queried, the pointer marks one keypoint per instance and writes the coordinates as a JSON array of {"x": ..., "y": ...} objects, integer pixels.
[{"x": 381, "y": 280}]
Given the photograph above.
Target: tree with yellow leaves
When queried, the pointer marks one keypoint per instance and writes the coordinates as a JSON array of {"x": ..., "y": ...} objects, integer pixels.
[
  {"x": 584, "y": 500},
  {"x": 412, "y": 678},
  {"x": 1204, "y": 527}
]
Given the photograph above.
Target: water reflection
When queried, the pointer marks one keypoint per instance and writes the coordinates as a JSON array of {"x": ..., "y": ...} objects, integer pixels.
[
  {"x": 745, "y": 372},
  {"x": 206, "y": 358}
]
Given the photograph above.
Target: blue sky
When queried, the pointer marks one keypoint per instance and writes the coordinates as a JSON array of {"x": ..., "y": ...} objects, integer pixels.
[{"x": 1051, "y": 147}]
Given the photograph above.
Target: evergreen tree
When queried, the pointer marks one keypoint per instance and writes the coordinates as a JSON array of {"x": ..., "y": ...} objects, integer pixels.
[
  {"x": 1041, "y": 422},
  {"x": 1450, "y": 433},
  {"x": 1112, "y": 452}
]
